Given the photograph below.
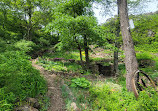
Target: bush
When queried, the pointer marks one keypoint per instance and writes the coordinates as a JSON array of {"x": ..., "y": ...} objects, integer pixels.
[
  {"x": 144, "y": 55},
  {"x": 24, "y": 45},
  {"x": 107, "y": 98},
  {"x": 19, "y": 79}
]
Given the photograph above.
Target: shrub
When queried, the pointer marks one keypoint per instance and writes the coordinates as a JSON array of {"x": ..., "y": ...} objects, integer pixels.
[
  {"x": 107, "y": 98},
  {"x": 19, "y": 79},
  {"x": 24, "y": 45},
  {"x": 144, "y": 55}
]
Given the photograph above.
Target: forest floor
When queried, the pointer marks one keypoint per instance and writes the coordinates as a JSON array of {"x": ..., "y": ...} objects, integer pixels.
[{"x": 54, "y": 88}]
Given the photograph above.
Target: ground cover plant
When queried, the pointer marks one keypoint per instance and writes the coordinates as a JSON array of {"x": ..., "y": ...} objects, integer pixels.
[
  {"x": 106, "y": 98},
  {"x": 108, "y": 95},
  {"x": 62, "y": 61},
  {"x": 76, "y": 91},
  {"x": 19, "y": 80}
]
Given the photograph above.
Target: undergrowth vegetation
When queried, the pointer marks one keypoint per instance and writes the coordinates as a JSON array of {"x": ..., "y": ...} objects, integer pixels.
[
  {"x": 61, "y": 61},
  {"x": 60, "y": 66},
  {"x": 111, "y": 94},
  {"x": 107, "y": 98},
  {"x": 18, "y": 80}
]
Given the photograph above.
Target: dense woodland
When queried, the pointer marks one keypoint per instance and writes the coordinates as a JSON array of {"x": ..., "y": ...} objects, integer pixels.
[{"x": 91, "y": 63}]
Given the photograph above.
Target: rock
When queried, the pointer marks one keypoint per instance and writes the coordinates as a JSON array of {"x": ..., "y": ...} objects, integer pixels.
[
  {"x": 33, "y": 102},
  {"x": 26, "y": 108},
  {"x": 74, "y": 106}
]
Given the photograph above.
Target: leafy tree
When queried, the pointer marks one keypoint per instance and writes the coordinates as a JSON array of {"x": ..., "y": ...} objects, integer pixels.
[{"x": 75, "y": 28}]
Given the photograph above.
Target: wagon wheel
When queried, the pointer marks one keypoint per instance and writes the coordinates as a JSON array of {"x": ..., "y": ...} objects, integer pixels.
[{"x": 141, "y": 81}]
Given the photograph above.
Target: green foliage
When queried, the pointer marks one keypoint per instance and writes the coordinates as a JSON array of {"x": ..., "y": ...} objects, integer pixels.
[
  {"x": 2, "y": 45},
  {"x": 106, "y": 98},
  {"x": 148, "y": 56},
  {"x": 147, "y": 47},
  {"x": 24, "y": 45},
  {"x": 19, "y": 79},
  {"x": 80, "y": 82},
  {"x": 67, "y": 55},
  {"x": 44, "y": 102},
  {"x": 145, "y": 31},
  {"x": 78, "y": 95},
  {"x": 75, "y": 7},
  {"x": 60, "y": 66},
  {"x": 144, "y": 55},
  {"x": 73, "y": 30},
  {"x": 6, "y": 100},
  {"x": 148, "y": 101}
]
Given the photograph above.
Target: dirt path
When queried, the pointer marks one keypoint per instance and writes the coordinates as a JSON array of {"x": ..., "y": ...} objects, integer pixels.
[{"x": 54, "y": 89}]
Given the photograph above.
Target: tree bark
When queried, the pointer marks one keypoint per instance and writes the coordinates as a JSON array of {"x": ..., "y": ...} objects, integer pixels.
[
  {"x": 86, "y": 51},
  {"x": 79, "y": 48},
  {"x": 130, "y": 56},
  {"x": 29, "y": 37},
  {"x": 116, "y": 70}
]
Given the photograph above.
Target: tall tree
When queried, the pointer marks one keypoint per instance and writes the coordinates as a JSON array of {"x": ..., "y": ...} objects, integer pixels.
[
  {"x": 75, "y": 24},
  {"x": 130, "y": 56}
]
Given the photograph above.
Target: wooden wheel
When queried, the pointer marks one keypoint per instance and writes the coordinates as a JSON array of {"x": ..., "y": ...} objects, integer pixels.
[{"x": 140, "y": 81}]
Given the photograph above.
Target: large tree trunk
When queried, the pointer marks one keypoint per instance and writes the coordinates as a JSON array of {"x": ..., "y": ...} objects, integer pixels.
[{"x": 130, "y": 56}]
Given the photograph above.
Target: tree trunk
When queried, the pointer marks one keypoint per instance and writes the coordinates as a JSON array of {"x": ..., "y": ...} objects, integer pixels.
[
  {"x": 86, "y": 51},
  {"x": 29, "y": 37},
  {"x": 116, "y": 70},
  {"x": 79, "y": 48},
  {"x": 130, "y": 56}
]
